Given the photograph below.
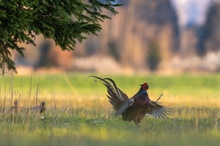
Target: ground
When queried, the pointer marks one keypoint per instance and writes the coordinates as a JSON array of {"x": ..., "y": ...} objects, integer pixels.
[{"x": 78, "y": 113}]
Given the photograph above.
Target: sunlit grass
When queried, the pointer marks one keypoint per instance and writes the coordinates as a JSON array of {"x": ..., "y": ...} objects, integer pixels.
[{"x": 78, "y": 113}]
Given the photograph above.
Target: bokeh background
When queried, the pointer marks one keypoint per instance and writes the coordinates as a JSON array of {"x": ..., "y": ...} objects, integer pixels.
[
  {"x": 171, "y": 44},
  {"x": 163, "y": 36}
]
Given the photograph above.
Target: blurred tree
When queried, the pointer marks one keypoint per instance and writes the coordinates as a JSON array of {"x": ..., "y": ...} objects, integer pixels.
[
  {"x": 114, "y": 49},
  {"x": 44, "y": 50},
  {"x": 153, "y": 55},
  {"x": 209, "y": 35},
  {"x": 128, "y": 38},
  {"x": 64, "y": 21}
]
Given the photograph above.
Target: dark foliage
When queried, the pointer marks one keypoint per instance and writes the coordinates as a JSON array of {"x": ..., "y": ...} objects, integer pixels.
[{"x": 64, "y": 21}]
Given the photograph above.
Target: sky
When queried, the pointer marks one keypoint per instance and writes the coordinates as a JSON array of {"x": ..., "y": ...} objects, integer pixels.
[{"x": 191, "y": 11}]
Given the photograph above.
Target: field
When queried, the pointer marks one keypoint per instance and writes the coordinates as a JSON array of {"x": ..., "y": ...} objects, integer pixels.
[{"x": 78, "y": 113}]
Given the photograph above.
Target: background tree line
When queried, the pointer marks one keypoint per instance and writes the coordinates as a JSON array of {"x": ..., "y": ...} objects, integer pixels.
[{"x": 145, "y": 34}]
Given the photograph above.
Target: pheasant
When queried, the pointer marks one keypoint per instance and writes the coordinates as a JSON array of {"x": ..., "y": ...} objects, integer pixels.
[
  {"x": 14, "y": 111},
  {"x": 15, "y": 108},
  {"x": 136, "y": 107},
  {"x": 41, "y": 109}
]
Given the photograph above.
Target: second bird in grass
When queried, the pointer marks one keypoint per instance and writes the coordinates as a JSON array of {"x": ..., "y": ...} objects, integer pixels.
[
  {"x": 136, "y": 107},
  {"x": 41, "y": 109}
]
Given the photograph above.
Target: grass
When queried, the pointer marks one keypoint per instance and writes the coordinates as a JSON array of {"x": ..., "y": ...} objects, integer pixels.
[{"x": 78, "y": 113}]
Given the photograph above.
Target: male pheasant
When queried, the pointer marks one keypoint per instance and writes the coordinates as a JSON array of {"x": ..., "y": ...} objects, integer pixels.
[{"x": 136, "y": 107}]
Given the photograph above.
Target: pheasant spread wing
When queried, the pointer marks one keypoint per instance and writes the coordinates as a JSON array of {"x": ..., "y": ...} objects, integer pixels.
[
  {"x": 157, "y": 110},
  {"x": 117, "y": 98}
]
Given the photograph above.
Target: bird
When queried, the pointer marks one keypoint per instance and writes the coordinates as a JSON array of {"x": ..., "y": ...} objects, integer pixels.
[
  {"x": 134, "y": 108},
  {"x": 15, "y": 108},
  {"x": 39, "y": 109},
  {"x": 14, "y": 111}
]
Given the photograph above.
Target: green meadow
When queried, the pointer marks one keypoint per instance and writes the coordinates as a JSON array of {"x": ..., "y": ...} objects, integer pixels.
[{"x": 78, "y": 112}]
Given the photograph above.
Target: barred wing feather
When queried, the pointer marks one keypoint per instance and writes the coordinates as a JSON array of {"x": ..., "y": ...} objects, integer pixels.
[
  {"x": 116, "y": 97},
  {"x": 159, "y": 111}
]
